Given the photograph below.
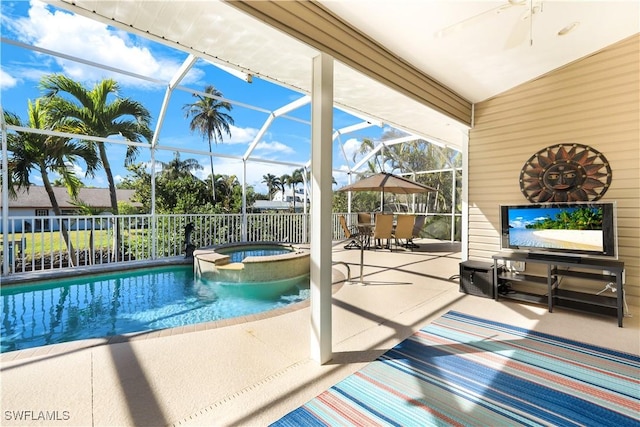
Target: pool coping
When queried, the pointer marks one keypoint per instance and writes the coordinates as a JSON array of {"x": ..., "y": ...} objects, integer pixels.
[{"x": 338, "y": 280}]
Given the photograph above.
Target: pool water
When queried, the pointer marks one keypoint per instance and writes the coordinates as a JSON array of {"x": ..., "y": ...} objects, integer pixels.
[
  {"x": 237, "y": 255},
  {"x": 124, "y": 302}
]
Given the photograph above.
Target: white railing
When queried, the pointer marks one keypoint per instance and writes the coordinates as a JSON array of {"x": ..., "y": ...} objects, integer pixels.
[{"x": 39, "y": 243}]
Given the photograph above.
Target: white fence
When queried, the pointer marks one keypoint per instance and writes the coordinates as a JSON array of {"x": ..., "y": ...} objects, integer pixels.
[{"x": 42, "y": 243}]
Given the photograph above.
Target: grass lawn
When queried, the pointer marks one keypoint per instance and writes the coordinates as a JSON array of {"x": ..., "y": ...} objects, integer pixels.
[{"x": 52, "y": 241}]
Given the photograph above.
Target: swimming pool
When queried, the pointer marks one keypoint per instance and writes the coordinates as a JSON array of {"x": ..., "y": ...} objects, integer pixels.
[{"x": 123, "y": 302}]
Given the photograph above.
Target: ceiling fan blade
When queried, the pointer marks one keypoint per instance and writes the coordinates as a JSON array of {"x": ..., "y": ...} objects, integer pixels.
[{"x": 478, "y": 18}]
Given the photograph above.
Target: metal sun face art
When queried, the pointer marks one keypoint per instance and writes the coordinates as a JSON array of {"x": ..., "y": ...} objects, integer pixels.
[{"x": 565, "y": 173}]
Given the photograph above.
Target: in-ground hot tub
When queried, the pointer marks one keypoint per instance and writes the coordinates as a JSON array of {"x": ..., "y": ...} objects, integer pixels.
[{"x": 263, "y": 269}]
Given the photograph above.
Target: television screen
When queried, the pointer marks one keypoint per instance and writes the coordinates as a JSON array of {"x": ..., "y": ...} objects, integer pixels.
[{"x": 569, "y": 228}]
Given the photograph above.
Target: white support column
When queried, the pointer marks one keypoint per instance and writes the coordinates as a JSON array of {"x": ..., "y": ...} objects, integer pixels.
[
  {"x": 244, "y": 200},
  {"x": 453, "y": 204},
  {"x": 465, "y": 198},
  {"x": 321, "y": 199},
  {"x": 305, "y": 208},
  {"x": 5, "y": 191}
]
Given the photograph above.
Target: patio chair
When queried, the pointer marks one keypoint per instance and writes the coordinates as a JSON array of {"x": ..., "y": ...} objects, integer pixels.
[
  {"x": 417, "y": 229},
  {"x": 383, "y": 228},
  {"x": 404, "y": 230},
  {"x": 350, "y": 233},
  {"x": 364, "y": 218}
]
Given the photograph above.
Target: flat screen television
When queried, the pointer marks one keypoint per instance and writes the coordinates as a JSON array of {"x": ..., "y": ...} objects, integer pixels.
[{"x": 580, "y": 228}]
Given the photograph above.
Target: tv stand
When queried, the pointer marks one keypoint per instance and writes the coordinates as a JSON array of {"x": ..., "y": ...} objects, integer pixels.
[
  {"x": 545, "y": 288},
  {"x": 553, "y": 257}
]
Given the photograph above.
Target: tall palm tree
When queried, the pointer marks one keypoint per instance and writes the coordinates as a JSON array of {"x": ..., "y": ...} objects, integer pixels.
[
  {"x": 43, "y": 153},
  {"x": 97, "y": 112},
  {"x": 209, "y": 119}
]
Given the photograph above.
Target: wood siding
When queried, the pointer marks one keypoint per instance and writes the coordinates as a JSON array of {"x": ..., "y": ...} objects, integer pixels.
[{"x": 595, "y": 102}]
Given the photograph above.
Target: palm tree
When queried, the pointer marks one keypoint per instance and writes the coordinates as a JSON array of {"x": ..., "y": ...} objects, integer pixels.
[
  {"x": 272, "y": 182},
  {"x": 227, "y": 183},
  {"x": 43, "y": 153},
  {"x": 177, "y": 168},
  {"x": 59, "y": 182},
  {"x": 209, "y": 120},
  {"x": 284, "y": 180},
  {"x": 296, "y": 178},
  {"x": 96, "y": 113},
  {"x": 375, "y": 164}
]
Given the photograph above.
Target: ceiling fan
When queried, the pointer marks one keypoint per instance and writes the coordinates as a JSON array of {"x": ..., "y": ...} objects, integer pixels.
[{"x": 520, "y": 30}]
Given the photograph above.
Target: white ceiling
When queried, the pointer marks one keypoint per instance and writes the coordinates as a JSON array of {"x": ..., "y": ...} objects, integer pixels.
[
  {"x": 491, "y": 50},
  {"x": 489, "y": 53}
]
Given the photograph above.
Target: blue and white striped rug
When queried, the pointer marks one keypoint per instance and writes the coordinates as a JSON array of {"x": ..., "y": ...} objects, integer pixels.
[{"x": 463, "y": 370}]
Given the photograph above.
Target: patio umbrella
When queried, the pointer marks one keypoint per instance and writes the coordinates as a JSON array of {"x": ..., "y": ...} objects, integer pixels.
[
  {"x": 382, "y": 182},
  {"x": 388, "y": 182}
]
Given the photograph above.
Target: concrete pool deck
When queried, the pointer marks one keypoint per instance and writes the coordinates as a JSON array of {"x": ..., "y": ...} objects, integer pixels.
[{"x": 256, "y": 371}]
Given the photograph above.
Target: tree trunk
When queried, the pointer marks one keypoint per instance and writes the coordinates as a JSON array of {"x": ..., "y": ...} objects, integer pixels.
[
  {"x": 113, "y": 197},
  {"x": 213, "y": 179},
  {"x": 112, "y": 185},
  {"x": 73, "y": 259},
  {"x": 92, "y": 249},
  {"x": 293, "y": 189}
]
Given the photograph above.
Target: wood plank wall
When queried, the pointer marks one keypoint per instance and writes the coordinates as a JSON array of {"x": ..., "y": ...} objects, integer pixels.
[{"x": 594, "y": 101}]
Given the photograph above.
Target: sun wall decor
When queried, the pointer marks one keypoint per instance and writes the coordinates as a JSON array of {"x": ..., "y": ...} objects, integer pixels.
[{"x": 565, "y": 173}]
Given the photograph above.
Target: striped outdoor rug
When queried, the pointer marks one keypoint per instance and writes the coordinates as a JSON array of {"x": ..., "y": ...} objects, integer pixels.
[{"x": 463, "y": 370}]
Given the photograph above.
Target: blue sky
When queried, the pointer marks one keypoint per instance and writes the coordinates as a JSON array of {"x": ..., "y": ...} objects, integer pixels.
[
  {"x": 520, "y": 218},
  {"x": 37, "y": 24}
]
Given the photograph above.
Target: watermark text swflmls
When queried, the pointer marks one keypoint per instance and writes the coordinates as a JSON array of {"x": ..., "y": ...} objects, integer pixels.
[{"x": 33, "y": 415}]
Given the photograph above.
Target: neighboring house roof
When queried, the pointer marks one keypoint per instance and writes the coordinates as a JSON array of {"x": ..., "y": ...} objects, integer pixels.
[{"x": 36, "y": 197}]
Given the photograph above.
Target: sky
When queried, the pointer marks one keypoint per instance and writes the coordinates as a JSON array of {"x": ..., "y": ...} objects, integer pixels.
[
  {"x": 37, "y": 24},
  {"x": 520, "y": 218}
]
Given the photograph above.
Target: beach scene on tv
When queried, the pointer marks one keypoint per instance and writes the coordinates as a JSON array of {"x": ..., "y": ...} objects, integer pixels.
[{"x": 578, "y": 228}]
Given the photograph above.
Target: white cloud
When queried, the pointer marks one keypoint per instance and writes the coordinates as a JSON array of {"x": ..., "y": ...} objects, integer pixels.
[
  {"x": 6, "y": 80},
  {"x": 351, "y": 146},
  {"x": 241, "y": 135},
  {"x": 77, "y": 169},
  {"x": 274, "y": 147},
  {"x": 93, "y": 41}
]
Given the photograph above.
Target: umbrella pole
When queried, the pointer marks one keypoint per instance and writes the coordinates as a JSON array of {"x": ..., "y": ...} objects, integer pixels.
[{"x": 361, "y": 258}]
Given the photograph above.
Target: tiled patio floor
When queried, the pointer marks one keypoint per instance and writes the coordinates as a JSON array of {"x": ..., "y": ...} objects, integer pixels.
[{"x": 255, "y": 371}]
